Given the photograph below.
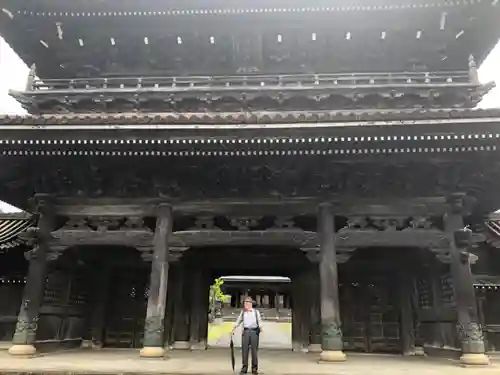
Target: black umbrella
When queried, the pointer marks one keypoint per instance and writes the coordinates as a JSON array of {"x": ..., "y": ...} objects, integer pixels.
[{"x": 231, "y": 346}]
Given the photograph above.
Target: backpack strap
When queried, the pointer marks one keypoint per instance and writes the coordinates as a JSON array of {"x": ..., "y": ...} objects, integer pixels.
[{"x": 256, "y": 318}]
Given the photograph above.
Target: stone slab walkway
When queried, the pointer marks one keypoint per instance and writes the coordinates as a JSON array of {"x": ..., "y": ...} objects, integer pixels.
[
  {"x": 275, "y": 336},
  {"x": 217, "y": 361}
]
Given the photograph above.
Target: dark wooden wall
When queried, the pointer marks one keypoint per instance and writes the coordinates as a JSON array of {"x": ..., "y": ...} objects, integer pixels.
[
  {"x": 62, "y": 320},
  {"x": 13, "y": 268}
]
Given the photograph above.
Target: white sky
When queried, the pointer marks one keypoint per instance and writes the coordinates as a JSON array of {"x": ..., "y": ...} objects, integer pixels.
[{"x": 13, "y": 75}]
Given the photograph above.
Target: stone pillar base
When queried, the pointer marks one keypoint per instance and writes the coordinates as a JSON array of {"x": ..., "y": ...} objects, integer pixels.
[
  {"x": 315, "y": 348},
  {"x": 152, "y": 352},
  {"x": 328, "y": 356},
  {"x": 419, "y": 351},
  {"x": 87, "y": 344},
  {"x": 474, "y": 359},
  {"x": 22, "y": 350},
  {"x": 182, "y": 345},
  {"x": 202, "y": 345},
  {"x": 296, "y": 347}
]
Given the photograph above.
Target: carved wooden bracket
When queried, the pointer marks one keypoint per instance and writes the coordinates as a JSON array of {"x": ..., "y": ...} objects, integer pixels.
[
  {"x": 314, "y": 254},
  {"x": 52, "y": 255},
  {"x": 175, "y": 253},
  {"x": 461, "y": 203}
]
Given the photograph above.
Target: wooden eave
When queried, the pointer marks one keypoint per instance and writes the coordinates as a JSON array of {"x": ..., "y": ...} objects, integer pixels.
[
  {"x": 356, "y": 136},
  {"x": 258, "y": 119},
  {"x": 349, "y": 135},
  {"x": 413, "y": 35},
  {"x": 11, "y": 226}
]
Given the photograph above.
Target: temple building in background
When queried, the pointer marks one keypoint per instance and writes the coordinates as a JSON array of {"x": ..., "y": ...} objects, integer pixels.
[{"x": 171, "y": 143}]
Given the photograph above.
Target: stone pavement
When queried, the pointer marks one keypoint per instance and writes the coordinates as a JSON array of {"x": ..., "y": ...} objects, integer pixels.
[
  {"x": 275, "y": 335},
  {"x": 217, "y": 362}
]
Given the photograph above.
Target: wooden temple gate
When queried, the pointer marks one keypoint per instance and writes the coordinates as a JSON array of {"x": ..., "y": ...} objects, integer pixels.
[
  {"x": 387, "y": 295},
  {"x": 288, "y": 148}
]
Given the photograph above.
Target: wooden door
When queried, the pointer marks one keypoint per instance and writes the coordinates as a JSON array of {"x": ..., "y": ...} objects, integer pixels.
[
  {"x": 126, "y": 308},
  {"x": 353, "y": 312},
  {"x": 383, "y": 323},
  {"x": 370, "y": 315}
]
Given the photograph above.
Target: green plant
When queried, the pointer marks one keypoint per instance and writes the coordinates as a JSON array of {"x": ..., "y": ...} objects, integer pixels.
[{"x": 216, "y": 293}]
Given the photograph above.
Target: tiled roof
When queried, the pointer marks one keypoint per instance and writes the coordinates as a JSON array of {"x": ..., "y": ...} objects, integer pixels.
[
  {"x": 264, "y": 117},
  {"x": 10, "y": 228},
  {"x": 486, "y": 281}
]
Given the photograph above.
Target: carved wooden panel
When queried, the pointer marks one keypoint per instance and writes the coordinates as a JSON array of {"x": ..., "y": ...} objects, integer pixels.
[
  {"x": 424, "y": 293},
  {"x": 447, "y": 289}
]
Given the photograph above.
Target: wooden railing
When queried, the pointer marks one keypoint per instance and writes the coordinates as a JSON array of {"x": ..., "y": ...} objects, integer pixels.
[{"x": 255, "y": 81}]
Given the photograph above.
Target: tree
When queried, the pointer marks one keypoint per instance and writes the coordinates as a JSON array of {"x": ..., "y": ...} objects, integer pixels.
[{"x": 217, "y": 297}]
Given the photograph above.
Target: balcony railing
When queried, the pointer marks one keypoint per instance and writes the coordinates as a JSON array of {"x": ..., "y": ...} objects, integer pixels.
[{"x": 220, "y": 83}]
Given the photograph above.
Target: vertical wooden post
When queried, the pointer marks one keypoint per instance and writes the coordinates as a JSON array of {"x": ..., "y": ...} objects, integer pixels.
[
  {"x": 181, "y": 317},
  {"x": 295, "y": 314},
  {"x": 101, "y": 292},
  {"x": 206, "y": 280},
  {"x": 304, "y": 310},
  {"x": 154, "y": 325},
  {"x": 315, "y": 321},
  {"x": 277, "y": 303},
  {"x": 169, "y": 318},
  {"x": 437, "y": 303},
  {"x": 331, "y": 343},
  {"x": 195, "y": 320},
  {"x": 407, "y": 328},
  {"x": 471, "y": 335},
  {"x": 27, "y": 320}
]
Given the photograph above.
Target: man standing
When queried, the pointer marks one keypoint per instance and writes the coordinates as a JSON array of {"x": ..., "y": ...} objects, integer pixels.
[{"x": 252, "y": 327}]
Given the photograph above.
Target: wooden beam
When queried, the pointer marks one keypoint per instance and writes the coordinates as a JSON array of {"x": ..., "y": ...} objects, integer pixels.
[
  {"x": 130, "y": 237},
  {"x": 434, "y": 239},
  {"x": 344, "y": 206},
  {"x": 276, "y": 237},
  {"x": 345, "y": 239}
]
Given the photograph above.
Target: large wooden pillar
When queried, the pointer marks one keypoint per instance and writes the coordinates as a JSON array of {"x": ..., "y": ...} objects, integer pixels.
[
  {"x": 471, "y": 336},
  {"x": 154, "y": 325},
  {"x": 331, "y": 331},
  {"x": 23, "y": 342}
]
